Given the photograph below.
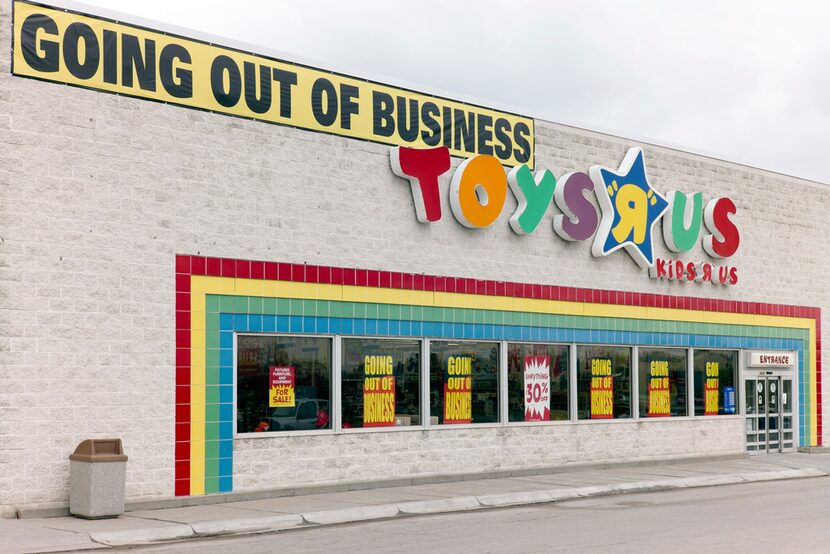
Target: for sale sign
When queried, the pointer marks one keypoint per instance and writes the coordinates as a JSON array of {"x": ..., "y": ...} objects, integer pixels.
[{"x": 282, "y": 391}]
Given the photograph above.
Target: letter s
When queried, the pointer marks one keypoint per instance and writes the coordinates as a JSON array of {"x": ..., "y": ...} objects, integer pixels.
[{"x": 725, "y": 238}]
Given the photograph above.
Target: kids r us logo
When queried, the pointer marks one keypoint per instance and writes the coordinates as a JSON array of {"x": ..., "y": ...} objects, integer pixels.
[{"x": 629, "y": 208}]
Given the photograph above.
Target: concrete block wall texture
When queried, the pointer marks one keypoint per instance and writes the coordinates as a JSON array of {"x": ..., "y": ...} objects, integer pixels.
[{"x": 98, "y": 193}]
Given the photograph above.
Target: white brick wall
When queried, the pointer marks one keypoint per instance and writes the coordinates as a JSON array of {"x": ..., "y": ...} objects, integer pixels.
[
  {"x": 98, "y": 192},
  {"x": 367, "y": 456}
]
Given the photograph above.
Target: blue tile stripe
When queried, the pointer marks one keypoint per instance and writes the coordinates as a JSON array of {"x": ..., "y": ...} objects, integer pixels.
[{"x": 241, "y": 322}]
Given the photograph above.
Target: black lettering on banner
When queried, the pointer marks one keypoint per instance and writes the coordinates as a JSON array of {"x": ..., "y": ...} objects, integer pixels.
[
  {"x": 429, "y": 115},
  {"x": 222, "y": 65},
  {"x": 504, "y": 145},
  {"x": 131, "y": 58},
  {"x": 485, "y": 134},
  {"x": 407, "y": 119},
  {"x": 383, "y": 122},
  {"x": 521, "y": 132},
  {"x": 465, "y": 130},
  {"x": 50, "y": 61},
  {"x": 447, "y": 112},
  {"x": 327, "y": 116},
  {"x": 72, "y": 53},
  {"x": 347, "y": 104},
  {"x": 262, "y": 103},
  {"x": 110, "y": 57},
  {"x": 286, "y": 79},
  {"x": 180, "y": 85}
]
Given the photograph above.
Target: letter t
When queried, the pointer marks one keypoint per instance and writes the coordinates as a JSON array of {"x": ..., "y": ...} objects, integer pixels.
[{"x": 422, "y": 167}]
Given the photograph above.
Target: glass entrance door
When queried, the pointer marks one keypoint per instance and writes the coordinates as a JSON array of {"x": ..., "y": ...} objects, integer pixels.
[{"x": 769, "y": 414}]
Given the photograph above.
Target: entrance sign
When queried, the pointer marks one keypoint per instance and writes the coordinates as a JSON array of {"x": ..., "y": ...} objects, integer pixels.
[
  {"x": 771, "y": 359},
  {"x": 92, "y": 52}
]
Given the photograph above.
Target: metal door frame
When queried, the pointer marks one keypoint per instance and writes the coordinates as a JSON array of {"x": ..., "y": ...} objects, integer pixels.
[{"x": 777, "y": 376}]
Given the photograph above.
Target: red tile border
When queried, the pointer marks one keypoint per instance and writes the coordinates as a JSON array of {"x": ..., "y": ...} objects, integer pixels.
[{"x": 197, "y": 265}]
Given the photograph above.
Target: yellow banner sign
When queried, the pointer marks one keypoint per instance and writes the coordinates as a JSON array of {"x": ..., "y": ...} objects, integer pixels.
[{"x": 96, "y": 53}]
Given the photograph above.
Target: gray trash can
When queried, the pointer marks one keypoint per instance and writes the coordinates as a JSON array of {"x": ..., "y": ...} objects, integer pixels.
[{"x": 97, "y": 473}]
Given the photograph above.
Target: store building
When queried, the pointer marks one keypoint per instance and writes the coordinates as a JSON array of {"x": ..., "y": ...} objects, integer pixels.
[{"x": 260, "y": 274}]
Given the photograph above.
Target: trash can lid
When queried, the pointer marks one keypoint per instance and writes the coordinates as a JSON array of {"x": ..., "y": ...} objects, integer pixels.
[{"x": 99, "y": 450}]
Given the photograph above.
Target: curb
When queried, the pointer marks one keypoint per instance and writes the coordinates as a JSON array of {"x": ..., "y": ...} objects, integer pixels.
[{"x": 284, "y": 522}]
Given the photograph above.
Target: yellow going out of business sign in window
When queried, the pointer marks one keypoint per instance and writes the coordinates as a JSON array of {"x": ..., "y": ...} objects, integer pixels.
[{"x": 92, "y": 52}]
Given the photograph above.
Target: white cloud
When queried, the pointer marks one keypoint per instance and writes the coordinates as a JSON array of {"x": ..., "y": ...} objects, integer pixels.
[{"x": 742, "y": 80}]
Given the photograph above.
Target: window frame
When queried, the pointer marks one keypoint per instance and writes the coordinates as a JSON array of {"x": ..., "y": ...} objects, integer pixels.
[
  {"x": 334, "y": 377},
  {"x": 500, "y": 378},
  {"x": 634, "y": 393},
  {"x": 505, "y": 373},
  {"x": 335, "y": 403},
  {"x": 422, "y": 405},
  {"x": 739, "y": 381},
  {"x": 689, "y": 371}
]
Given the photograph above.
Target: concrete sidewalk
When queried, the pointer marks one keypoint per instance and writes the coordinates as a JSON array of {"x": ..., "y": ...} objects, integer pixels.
[{"x": 278, "y": 514}]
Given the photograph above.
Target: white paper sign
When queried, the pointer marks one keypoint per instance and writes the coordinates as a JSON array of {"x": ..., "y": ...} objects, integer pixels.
[{"x": 537, "y": 388}]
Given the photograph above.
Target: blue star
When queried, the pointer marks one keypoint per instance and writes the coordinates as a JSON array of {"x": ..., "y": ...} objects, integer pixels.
[{"x": 630, "y": 207}]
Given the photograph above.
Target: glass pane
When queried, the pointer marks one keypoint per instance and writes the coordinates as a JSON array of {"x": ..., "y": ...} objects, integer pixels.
[
  {"x": 787, "y": 396},
  {"x": 603, "y": 382},
  {"x": 716, "y": 377},
  {"x": 537, "y": 382},
  {"x": 788, "y": 422},
  {"x": 750, "y": 396},
  {"x": 381, "y": 382},
  {"x": 751, "y": 424},
  {"x": 773, "y": 392},
  {"x": 761, "y": 396},
  {"x": 283, "y": 383},
  {"x": 464, "y": 382},
  {"x": 662, "y": 380}
]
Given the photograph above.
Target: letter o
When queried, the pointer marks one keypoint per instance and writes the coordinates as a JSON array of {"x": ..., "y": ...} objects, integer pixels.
[{"x": 478, "y": 191}]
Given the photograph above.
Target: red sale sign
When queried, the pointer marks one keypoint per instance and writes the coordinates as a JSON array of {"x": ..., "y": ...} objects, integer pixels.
[{"x": 537, "y": 388}]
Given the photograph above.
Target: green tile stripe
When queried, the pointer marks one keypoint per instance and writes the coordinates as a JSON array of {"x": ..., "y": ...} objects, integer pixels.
[{"x": 214, "y": 304}]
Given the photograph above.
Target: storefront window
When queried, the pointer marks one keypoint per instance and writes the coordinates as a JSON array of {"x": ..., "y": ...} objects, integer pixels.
[
  {"x": 603, "y": 382},
  {"x": 662, "y": 382},
  {"x": 464, "y": 382},
  {"x": 381, "y": 382},
  {"x": 716, "y": 378},
  {"x": 537, "y": 382},
  {"x": 283, "y": 384}
]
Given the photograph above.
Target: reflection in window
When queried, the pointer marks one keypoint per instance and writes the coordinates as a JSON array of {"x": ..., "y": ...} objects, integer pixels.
[
  {"x": 537, "y": 382},
  {"x": 464, "y": 382},
  {"x": 603, "y": 382},
  {"x": 283, "y": 383},
  {"x": 716, "y": 377},
  {"x": 380, "y": 382},
  {"x": 662, "y": 382}
]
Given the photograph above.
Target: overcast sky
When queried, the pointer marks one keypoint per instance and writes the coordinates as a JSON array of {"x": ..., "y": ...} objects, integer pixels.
[{"x": 747, "y": 81}]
